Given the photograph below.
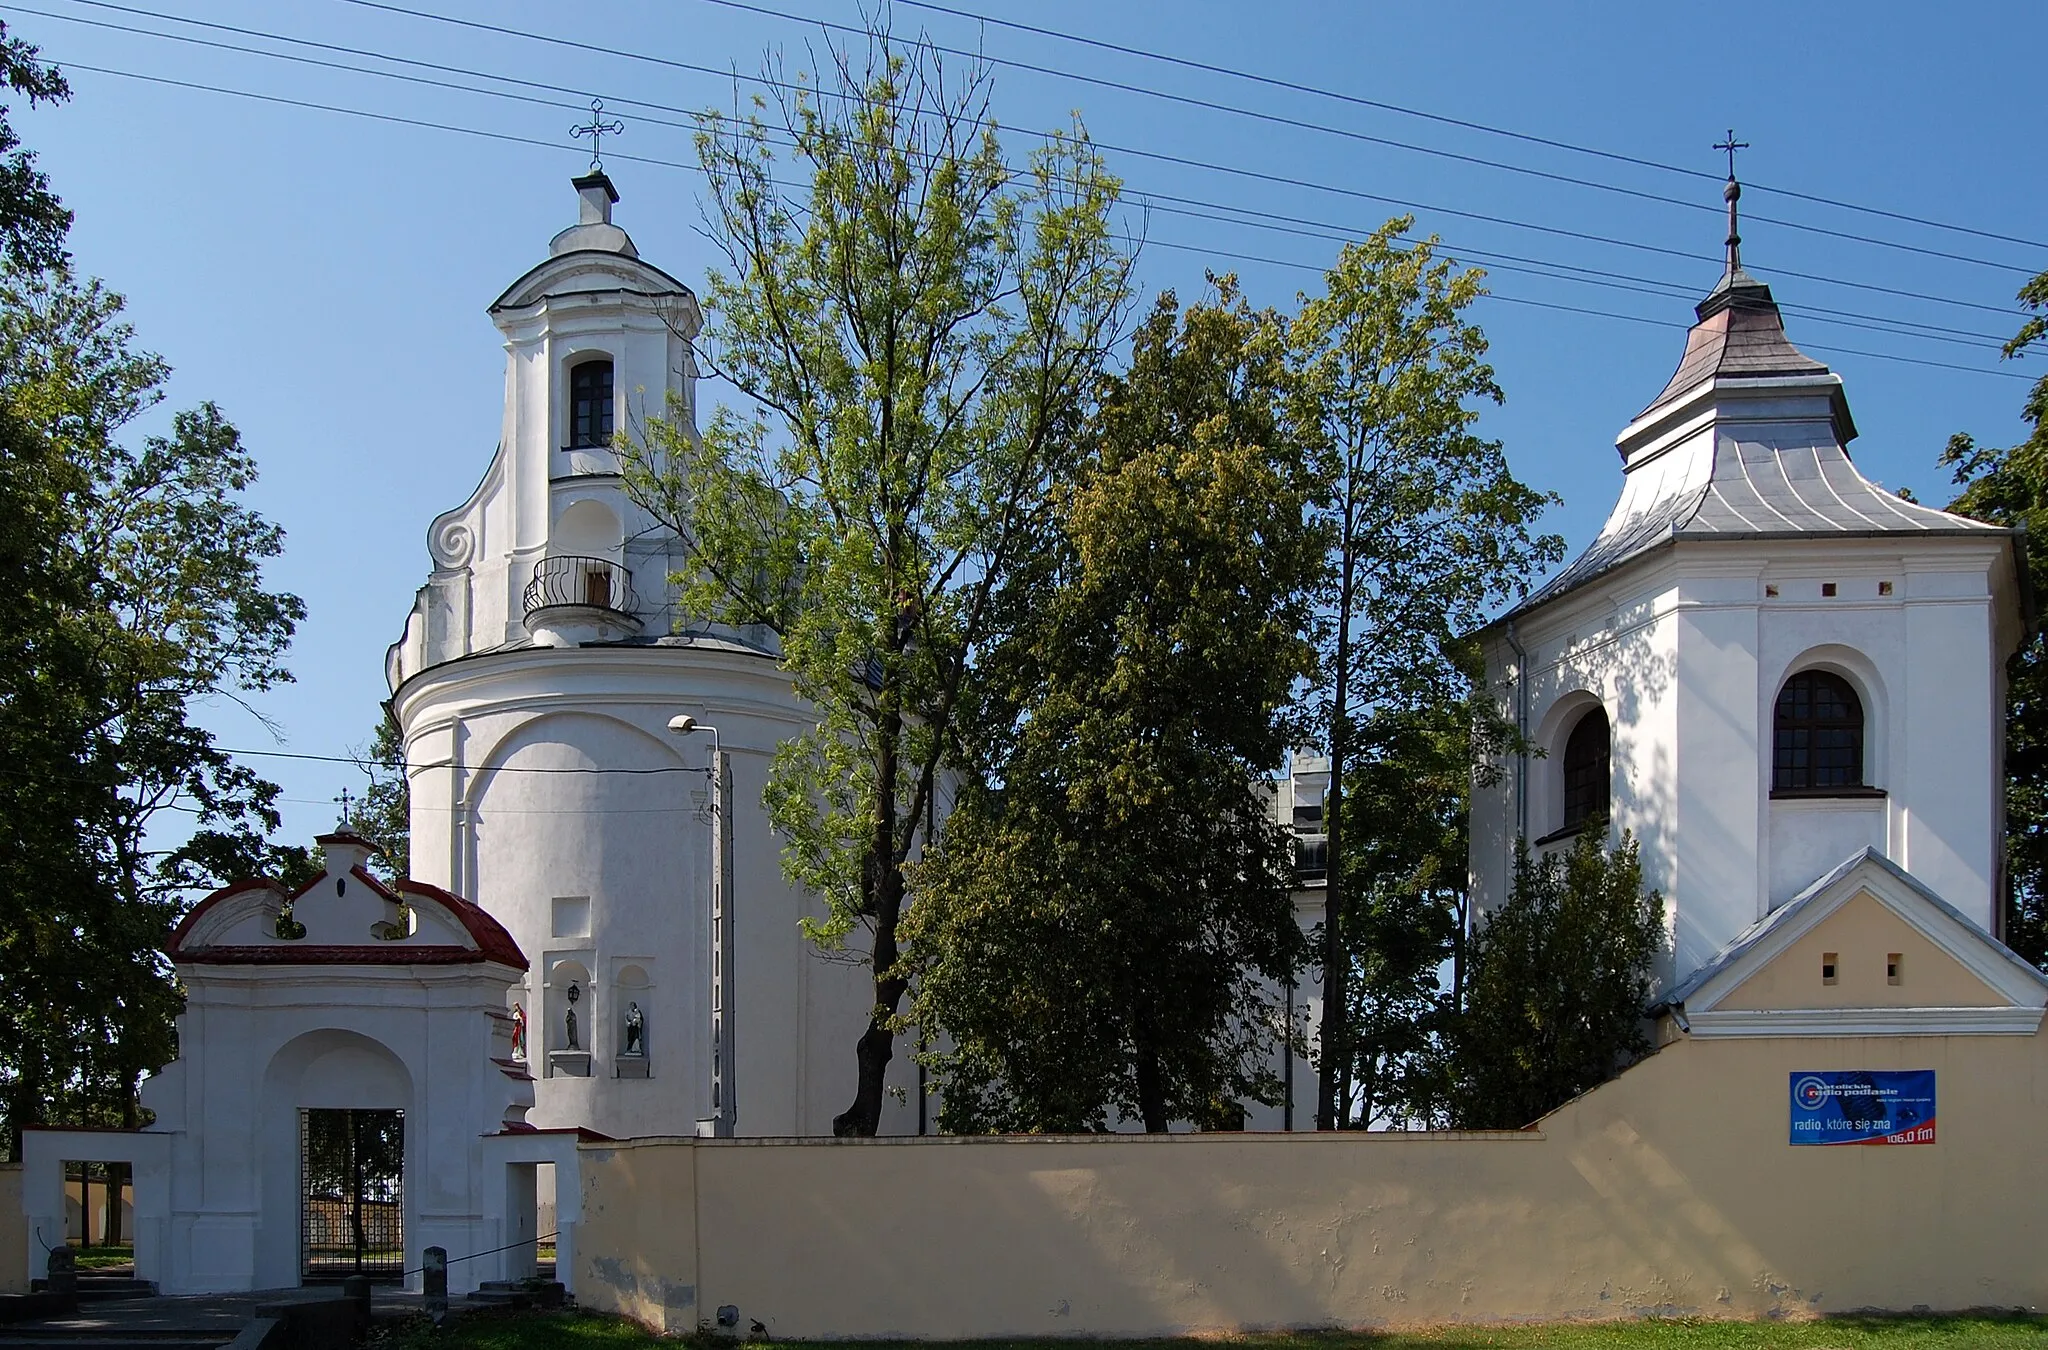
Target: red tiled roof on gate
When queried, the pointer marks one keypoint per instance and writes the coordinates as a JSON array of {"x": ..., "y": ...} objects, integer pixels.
[{"x": 493, "y": 942}]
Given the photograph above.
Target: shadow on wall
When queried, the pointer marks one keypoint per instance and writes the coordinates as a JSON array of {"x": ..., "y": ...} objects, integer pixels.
[{"x": 1631, "y": 676}]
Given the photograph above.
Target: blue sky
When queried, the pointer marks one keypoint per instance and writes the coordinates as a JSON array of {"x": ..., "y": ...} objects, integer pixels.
[{"x": 323, "y": 277}]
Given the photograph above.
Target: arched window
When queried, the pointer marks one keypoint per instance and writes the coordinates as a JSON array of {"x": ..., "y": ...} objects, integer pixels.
[
  {"x": 1587, "y": 783},
  {"x": 1817, "y": 735},
  {"x": 590, "y": 404}
]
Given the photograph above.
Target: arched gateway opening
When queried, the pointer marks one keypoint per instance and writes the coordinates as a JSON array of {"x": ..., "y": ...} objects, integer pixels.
[
  {"x": 352, "y": 1194},
  {"x": 334, "y": 1120}
]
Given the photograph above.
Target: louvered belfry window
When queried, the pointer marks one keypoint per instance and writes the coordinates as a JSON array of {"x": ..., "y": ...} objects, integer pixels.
[
  {"x": 590, "y": 405},
  {"x": 1587, "y": 780},
  {"x": 1817, "y": 735}
]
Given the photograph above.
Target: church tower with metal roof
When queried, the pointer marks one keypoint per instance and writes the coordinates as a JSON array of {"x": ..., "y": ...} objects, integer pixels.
[{"x": 1764, "y": 663}]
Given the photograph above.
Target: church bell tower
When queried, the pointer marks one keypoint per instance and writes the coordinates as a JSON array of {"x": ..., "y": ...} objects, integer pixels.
[{"x": 535, "y": 685}]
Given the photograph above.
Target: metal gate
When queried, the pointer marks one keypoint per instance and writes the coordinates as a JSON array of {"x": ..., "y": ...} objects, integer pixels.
[{"x": 352, "y": 1194}]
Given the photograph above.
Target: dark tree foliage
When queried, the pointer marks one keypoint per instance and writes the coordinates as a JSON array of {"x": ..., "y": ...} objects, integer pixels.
[
  {"x": 1104, "y": 926},
  {"x": 912, "y": 322},
  {"x": 2010, "y": 487},
  {"x": 134, "y": 588},
  {"x": 1406, "y": 883},
  {"x": 1559, "y": 983}
]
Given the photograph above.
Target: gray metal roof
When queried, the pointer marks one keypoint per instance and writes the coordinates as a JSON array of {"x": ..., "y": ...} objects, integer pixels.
[
  {"x": 1753, "y": 490},
  {"x": 1739, "y": 333}
]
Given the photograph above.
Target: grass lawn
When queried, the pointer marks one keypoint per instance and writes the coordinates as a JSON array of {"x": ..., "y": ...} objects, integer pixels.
[
  {"x": 577, "y": 1331},
  {"x": 96, "y": 1258}
]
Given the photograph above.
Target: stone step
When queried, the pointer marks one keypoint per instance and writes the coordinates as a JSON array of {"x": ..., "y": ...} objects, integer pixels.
[{"x": 518, "y": 1294}]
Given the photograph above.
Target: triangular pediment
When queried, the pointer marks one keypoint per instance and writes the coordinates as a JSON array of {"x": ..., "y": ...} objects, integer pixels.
[{"x": 1865, "y": 950}]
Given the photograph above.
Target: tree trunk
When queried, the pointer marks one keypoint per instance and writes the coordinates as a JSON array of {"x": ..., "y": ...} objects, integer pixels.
[
  {"x": 877, "y": 1045},
  {"x": 1151, "y": 1093},
  {"x": 1336, "y": 965},
  {"x": 355, "y": 1184},
  {"x": 117, "y": 1186}
]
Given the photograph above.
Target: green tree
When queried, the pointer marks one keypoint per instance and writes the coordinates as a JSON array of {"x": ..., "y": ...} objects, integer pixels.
[
  {"x": 2010, "y": 487},
  {"x": 384, "y": 815},
  {"x": 135, "y": 589},
  {"x": 48, "y": 685},
  {"x": 911, "y": 333},
  {"x": 1560, "y": 981},
  {"x": 1428, "y": 530},
  {"x": 1406, "y": 876},
  {"x": 1106, "y": 921},
  {"x": 33, "y": 222}
]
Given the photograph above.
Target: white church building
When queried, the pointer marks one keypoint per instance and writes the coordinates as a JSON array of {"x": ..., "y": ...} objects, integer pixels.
[
  {"x": 1785, "y": 681},
  {"x": 1765, "y": 663},
  {"x": 535, "y": 684}
]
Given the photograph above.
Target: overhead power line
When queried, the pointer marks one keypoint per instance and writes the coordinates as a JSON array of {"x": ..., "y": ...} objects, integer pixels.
[
  {"x": 366, "y": 762},
  {"x": 1274, "y": 82},
  {"x": 395, "y": 119},
  {"x": 1601, "y": 313},
  {"x": 1189, "y": 100},
  {"x": 1013, "y": 64},
  {"x": 1507, "y": 222},
  {"x": 1215, "y": 211}
]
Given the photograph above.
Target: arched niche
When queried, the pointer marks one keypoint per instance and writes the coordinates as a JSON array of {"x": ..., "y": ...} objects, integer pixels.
[
  {"x": 570, "y": 1021},
  {"x": 586, "y": 528},
  {"x": 582, "y": 804},
  {"x": 633, "y": 1018}
]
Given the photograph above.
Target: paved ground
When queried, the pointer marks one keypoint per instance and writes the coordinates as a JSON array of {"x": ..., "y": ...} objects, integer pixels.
[{"x": 198, "y": 1312}]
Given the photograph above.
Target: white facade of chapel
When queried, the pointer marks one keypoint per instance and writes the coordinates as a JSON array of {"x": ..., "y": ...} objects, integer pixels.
[{"x": 1745, "y": 549}]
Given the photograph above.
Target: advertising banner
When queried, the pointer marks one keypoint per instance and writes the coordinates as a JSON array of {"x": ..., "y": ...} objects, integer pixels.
[{"x": 1875, "y": 1106}]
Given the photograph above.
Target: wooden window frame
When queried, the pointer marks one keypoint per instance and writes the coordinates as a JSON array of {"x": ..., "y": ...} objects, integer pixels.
[
  {"x": 585, "y": 405},
  {"x": 1819, "y": 713}
]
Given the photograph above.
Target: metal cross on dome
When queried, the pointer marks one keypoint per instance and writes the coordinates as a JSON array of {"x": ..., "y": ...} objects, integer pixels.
[
  {"x": 597, "y": 128},
  {"x": 1731, "y": 145}
]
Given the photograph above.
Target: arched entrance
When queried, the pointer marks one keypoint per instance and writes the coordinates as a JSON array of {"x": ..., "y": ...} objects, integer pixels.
[
  {"x": 351, "y": 1193},
  {"x": 335, "y": 1114}
]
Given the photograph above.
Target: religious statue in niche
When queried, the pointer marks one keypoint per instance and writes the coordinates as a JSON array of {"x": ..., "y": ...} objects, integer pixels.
[
  {"x": 569, "y": 1017},
  {"x": 636, "y": 1031},
  {"x": 518, "y": 1031}
]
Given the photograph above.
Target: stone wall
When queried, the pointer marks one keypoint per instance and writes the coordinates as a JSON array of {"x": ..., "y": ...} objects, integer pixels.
[
  {"x": 1672, "y": 1189},
  {"x": 13, "y": 1233}
]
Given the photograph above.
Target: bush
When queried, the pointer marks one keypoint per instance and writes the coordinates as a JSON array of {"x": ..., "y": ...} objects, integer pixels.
[{"x": 1558, "y": 981}]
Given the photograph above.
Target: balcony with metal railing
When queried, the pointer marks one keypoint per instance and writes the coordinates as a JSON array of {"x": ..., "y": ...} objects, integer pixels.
[{"x": 579, "y": 599}]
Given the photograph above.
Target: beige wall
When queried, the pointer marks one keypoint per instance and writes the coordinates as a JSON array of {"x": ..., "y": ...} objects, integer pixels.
[
  {"x": 1861, "y": 934},
  {"x": 1671, "y": 1189},
  {"x": 13, "y": 1233}
]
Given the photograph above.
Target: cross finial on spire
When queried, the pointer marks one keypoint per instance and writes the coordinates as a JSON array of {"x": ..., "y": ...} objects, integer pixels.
[
  {"x": 597, "y": 129},
  {"x": 347, "y": 809},
  {"x": 1732, "y": 194},
  {"x": 1731, "y": 145}
]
